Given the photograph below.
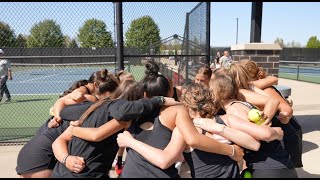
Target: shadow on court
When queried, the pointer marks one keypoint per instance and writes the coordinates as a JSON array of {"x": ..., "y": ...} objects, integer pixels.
[
  {"x": 308, "y": 146},
  {"x": 305, "y": 174},
  {"x": 309, "y": 123}
]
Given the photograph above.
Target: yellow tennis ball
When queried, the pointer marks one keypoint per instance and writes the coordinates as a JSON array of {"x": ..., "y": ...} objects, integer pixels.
[
  {"x": 51, "y": 112},
  {"x": 247, "y": 174},
  {"x": 254, "y": 115}
]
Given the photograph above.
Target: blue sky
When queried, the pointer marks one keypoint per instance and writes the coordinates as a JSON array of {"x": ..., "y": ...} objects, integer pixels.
[{"x": 289, "y": 20}]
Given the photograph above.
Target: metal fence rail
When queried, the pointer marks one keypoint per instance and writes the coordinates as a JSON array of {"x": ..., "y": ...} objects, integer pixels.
[
  {"x": 302, "y": 71},
  {"x": 73, "y": 49}
]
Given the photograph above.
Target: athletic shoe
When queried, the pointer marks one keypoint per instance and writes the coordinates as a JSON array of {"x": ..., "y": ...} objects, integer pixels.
[
  {"x": 178, "y": 166},
  {"x": 118, "y": 168}
]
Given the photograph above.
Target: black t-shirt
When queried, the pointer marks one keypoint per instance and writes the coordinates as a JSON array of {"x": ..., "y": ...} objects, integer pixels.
[{"x": 100, "y": 155}]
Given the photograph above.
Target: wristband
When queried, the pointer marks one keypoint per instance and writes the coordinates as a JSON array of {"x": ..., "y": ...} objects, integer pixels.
[
  {"x": 64, "y": 160},
  {"x": 161, "y": 100},
  {"x": 232, "y": 151}
]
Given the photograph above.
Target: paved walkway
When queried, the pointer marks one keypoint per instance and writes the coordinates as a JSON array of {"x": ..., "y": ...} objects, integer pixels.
[{"x": 306, "y": 105}]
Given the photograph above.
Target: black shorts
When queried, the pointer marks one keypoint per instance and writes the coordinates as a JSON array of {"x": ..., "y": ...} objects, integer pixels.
[
  {"x": 275, "y": 173},
  {"x": 36, "y": 155}
]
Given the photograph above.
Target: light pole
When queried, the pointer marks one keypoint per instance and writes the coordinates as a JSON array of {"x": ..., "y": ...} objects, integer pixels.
[{"x": 237, "y": 32}]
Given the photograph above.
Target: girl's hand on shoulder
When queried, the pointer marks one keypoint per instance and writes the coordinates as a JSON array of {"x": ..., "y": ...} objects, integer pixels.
[
  {"x": 54, "y": 122},
  {"x": 77, "y": 96},
  {"x": 170, "y": 101}
]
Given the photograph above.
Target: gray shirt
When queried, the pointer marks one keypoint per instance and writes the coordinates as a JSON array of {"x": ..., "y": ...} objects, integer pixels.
[
  {"x": 225, "y": 61},
  {"x": 4, "y": 67}
]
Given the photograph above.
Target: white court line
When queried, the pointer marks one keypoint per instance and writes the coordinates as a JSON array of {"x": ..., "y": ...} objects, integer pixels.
[
  {"x": 311, "y": 75},
  {"x": 40, "y": 82},
  {"x": 35, "y": 94},
  {"x": 46, "y": 76}
]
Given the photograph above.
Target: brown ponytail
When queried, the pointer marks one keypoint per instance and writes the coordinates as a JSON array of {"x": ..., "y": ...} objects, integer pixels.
[{"x": 92, "y": 108}]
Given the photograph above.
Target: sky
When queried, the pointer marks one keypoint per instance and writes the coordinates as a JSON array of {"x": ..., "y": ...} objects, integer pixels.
[{"x": 292, "y": 21}]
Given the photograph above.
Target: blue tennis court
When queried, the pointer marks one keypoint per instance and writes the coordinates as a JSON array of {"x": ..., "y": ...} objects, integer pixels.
[
  {"x": 48, "y": 79},
  {"x": 307, "y": 71}
]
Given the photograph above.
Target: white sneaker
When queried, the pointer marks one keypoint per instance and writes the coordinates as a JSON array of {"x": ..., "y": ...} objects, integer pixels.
[{"x": 178, "y": 166}]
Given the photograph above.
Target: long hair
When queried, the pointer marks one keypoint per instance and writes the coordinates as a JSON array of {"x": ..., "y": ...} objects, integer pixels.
[
  {"x": 74, "y": 86},
  {"x": 223, "y": 87},
  {"x": 123, "y": 75},
  {"x": 129, "y": 90},
  {"x": 254, "y": 70},
  {"x": 240, "y": 75},
  {"x": 108, "y": 83},
  {"x": 219, "y": 71}
]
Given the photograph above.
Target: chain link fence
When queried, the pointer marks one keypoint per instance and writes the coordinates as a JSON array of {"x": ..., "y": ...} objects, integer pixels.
[{"x": 53, "y": 44}]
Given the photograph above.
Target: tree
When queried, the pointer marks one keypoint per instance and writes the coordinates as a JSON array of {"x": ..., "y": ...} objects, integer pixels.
[
  {"x": 143, "y": 33},
  {"x": 45, "y": 34},
  {"x": 280, "y": 42},
  {"x": 7, "y": 36},
  {"x": 21, "y": 41},
  {"x": 70, "y": 43},
  {"x": 94, "y": 34},
  {"x": 313, "y": 42}
]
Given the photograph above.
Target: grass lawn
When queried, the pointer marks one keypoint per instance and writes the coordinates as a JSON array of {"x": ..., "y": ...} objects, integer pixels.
[{"x": 313, "y": 79}]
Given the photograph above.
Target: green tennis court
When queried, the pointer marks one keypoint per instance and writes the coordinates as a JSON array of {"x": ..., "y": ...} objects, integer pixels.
[
  {"x": 308, "y": 74},
  {"x": 35, "y": 90}
]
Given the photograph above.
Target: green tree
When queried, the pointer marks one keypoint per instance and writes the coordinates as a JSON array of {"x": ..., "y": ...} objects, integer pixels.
[
  {"x": 70, "y": 42},
  {"x": 279, "y": 41},
  {"x": 7, "y": 36},
  {"x": 142, "y": 33},
  {"x": 21, "y": 41},
  {"x": 313, "y": 42},
  {"x": 94, "y": 34},
  {"x": 45, "y": 34}
]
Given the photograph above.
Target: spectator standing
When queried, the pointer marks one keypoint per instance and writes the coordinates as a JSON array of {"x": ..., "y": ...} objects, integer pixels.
[
  {"x": 226, "y": 59},
  {"x": 5, "y": 74}
]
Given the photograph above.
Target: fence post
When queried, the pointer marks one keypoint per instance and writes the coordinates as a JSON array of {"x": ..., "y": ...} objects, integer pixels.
[
  {"x": 298, "y": 73},
  {"x": 208, "y": 33},
  {"x": 187, "y": 45},
  {"x": 119, "y": 30}
]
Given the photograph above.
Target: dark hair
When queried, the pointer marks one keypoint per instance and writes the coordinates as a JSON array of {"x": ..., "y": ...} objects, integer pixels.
[
  {"x": 99, "y": 76},
  {"x": 109, "y": 83},
  {"x": 123, "y": 75},
  {"x": 74, "y": 86},
  {"x": 154, "y": 84},
  {"x": 128, "y": 90}
]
